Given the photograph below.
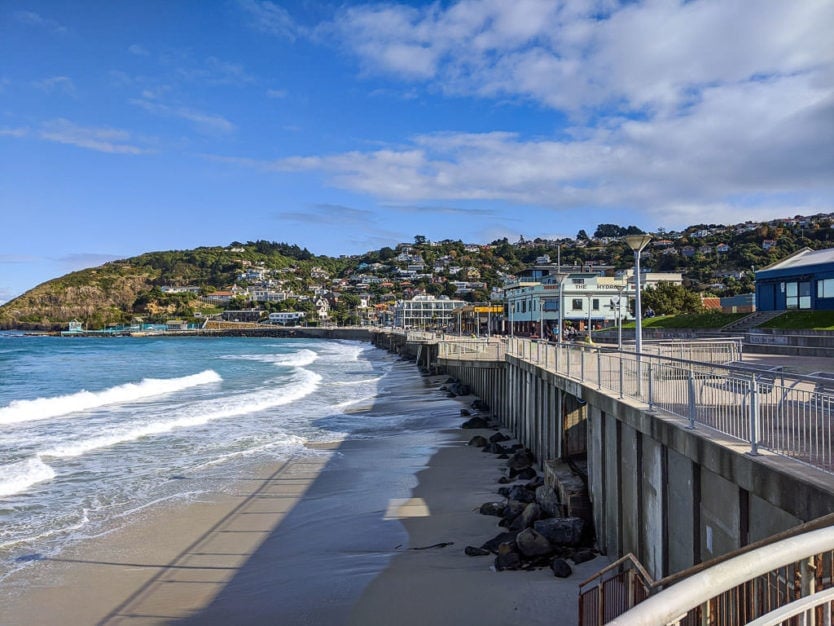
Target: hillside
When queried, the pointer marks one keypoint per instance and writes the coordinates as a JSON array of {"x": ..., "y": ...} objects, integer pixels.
[{"x": 189, "y": 284}]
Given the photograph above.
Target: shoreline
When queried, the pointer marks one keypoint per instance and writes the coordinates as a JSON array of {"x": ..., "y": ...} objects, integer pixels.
[{"x": 317, "y": 539}]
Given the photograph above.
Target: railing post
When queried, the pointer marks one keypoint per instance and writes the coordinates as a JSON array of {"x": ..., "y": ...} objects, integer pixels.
[
  {"x": 621, "y": 374},
  {"x": 650, "y": 372},
  {"x": 691, "y": 400},
  {"x": 582, "y": 364},
  {"x": 599, "y": 368},
  {"x": 754, "y": 416}
]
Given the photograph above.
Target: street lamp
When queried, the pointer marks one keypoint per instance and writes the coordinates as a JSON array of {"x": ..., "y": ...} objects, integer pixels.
[{"x": 637, "y": 243}]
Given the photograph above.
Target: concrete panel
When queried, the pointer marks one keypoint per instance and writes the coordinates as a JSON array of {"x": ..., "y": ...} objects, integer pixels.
[
  {"x": 595, "y": 471},
  {"x": 767, "y": 520},
  {"x": 651, "y": 529},
  {"x": 680, "y": 511},
  {"x": 720, "y": 516},
  {"x": 629, "y": 495},
  {"x": 611, "y": 490}
]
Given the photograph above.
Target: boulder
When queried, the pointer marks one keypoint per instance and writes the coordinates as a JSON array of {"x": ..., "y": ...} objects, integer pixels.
[
  {"x": 548, "y": 501},
  {"x": 475, "y": 422},
  {"x": 508, "y": 557},
  {"x": 477, "y": 442},
  {"x": 561, "y": 531},
  {"x": 531, "y": 514},
  {"x": 513, "y": 509},
  {"x": 496, "y": 448},
  {"x": 560, "y": 568},
  {"x": 532, "y": 544},
  {"x": 479, "y": 405},
  {"x": 492, "y": 544},
  {"x": 520, "y": 493},
  {"x": 582, "y": 555},
  {"x": 498, "y": 438},
  {"x": 493, "y": 508},
  {"x": 521, "y": 459},
  {"x": 528, "y": 473},
  {"x": 465, "y": 413},
  {"x": 473, "y": 551}
]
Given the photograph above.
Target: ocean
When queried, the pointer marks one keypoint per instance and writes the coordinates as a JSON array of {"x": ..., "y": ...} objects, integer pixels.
[{"x": 95, "y": 430}]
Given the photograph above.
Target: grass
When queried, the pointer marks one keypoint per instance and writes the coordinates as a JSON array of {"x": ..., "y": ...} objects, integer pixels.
[
  {"x": 802, "y": 320},
  {"x": 690, "y": 320}
]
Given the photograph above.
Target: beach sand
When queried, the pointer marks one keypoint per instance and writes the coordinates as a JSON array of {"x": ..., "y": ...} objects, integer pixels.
[{"x": 340, "y": 536}]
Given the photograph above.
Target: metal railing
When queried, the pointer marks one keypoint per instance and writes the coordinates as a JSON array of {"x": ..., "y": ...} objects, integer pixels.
[
  {"x": 474, "y": 349},
  {"x": 790, "y": 415}
]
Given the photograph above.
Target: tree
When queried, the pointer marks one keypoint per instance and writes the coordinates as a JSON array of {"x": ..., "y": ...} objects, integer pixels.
[
  {"x": 419, "y": 240},
  {"x": 582, "y": 235},
  {"x": 670, "y": 299}
]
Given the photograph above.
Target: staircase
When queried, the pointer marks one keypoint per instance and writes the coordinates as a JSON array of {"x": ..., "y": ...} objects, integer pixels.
[{"x": 750, "y": 321}]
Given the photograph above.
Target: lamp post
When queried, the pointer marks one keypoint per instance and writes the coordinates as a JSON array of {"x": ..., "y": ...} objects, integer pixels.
[{"x": 637, "y": 243}]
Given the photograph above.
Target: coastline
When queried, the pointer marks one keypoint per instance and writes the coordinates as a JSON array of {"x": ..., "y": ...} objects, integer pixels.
[{"x": 325, "y": 538}]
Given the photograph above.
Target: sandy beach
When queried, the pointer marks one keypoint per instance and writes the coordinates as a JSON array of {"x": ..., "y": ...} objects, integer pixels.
[{"x": 371, "y": 531}]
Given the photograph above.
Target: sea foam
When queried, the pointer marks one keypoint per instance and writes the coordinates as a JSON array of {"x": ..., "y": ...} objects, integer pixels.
[
  {"x": 43, "y": 408},
  {"x": 18, "y": 477}
]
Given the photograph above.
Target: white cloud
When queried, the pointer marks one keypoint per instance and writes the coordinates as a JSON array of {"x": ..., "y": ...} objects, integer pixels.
[
  {"x": 56, "y": 84},
  {"x": 35, "y": 19},
  {"x": 206, "y": 122},
  {"x": 109, "y": 140},
  {"x": 271, "y": 18},
  {"x": 138, "y": 50},
  {"x": 276, "y": 93},
  {"x": 14, "y": 132}
]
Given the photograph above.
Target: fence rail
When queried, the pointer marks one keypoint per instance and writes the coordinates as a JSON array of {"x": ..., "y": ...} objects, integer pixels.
[{"x": 789, "y": 415}]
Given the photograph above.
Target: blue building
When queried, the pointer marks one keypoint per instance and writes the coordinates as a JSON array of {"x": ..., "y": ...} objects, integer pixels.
[{"x": 803, "y": 281}]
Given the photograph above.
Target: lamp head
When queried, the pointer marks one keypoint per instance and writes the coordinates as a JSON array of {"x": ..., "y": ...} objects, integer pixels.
[{"x": 637, "y": 242}]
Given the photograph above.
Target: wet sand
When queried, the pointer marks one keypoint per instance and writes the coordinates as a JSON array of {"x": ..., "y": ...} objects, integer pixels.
[{"x": 343, "y": 536}]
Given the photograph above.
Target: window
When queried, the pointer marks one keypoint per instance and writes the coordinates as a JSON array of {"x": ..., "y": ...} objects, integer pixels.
[
  {"x": 825, "y": 288},
  {"x": 576, "y": 304},
  {"x": 595, "y": 304},
  {"x": 798, "y": 295}
]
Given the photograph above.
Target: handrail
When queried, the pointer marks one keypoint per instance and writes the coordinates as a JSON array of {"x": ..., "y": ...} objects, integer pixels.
[
  {"x": 670, "y": 606},
  {"x": 795, "y": 608}
]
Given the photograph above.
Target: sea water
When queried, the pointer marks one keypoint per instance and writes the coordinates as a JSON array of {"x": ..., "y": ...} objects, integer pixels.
[{"x": 94, "y": 430}]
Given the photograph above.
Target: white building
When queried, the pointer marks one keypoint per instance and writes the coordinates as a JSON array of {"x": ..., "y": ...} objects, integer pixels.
[
  {"x": 286, "y": 317},
  {"x": 425, "y": 311}
]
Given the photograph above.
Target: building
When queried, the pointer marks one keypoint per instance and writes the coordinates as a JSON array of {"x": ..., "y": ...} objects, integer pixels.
[
  {"x": 804, "y": 281},
  {"x": 286, "y": 317},
  {"x": 425, "y": 312}
]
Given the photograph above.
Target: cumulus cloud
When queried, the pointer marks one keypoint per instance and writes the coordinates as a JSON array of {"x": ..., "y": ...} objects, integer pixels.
[
  {"x": 56, "y": 84},
  {"x": 100, "y": 139},
  {"x": 14, "y": 132},
  {"x": 36, "y": 19}
]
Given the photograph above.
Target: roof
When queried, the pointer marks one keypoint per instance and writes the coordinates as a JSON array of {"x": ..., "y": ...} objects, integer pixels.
[{"x": 803, "y": 258}]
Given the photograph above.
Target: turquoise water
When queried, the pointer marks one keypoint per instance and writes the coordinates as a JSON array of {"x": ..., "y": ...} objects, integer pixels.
[{"x": 94, "y": 430}]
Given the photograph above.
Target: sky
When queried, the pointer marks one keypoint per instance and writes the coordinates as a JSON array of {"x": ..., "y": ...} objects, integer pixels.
[{"x": 134, "y": 126}]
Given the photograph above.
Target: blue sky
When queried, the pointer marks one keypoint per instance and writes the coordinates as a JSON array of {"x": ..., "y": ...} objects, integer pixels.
[{"x": 133, "y": 126}]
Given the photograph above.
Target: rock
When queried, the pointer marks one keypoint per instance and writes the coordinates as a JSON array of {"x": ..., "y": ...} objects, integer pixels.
[
  {"x": 479, "y": 405},
  {"x": 503, "y": 480},
  {"x": 492, "y": 544},
  {"x": 521, "y": 459},
  {"x": 532, "y": 544},
  {"x": 465, "y": 413},
  {"x": 473, "y": 551},
  {"x": 475, "y": 422},
  {"x": 496, "y": 448},
  {"x": 493, "y": 508},
  {"x": 498, "y": 438},
  {"x": 560, "y": 568},
  {"x": 582, "y": 555},
  {"x": 504, "y": 456},
  {"x": 561, "y": 531},
  {"x": 477, "y": 441},
  {"x": 531, "y": 513},
  {"x": 528, "y": 473},
  {"x": 508, "y": 557},
  {"x": 451, "y": 381},
  {"x": 513, "y": 509},
  {"x": 548, "y": 501},
  {"x": 451, "y": 394},
  {"x": 520, "y": 493},
  {"x": 443, "y": 388},
  {"x": 535, "y": 483}
]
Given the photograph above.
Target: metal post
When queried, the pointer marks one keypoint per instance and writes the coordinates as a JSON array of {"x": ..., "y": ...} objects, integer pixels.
[
  {"x": 754, "y": 416},
  {"x": 691, "y": 400},
  {"x": 637, "y": 243},
  {"x": 599, "y": 368},
  {"x": 621, "y": 374}
]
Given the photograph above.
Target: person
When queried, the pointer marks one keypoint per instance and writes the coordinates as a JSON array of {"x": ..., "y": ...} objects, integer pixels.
[{"x": 649, "y": 312}]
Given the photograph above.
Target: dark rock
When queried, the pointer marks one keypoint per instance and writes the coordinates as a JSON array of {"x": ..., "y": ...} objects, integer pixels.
[
  {"x": 451, "y": 394},
  {"x": 493, "y": 508},
  {"x": 450, "y": 381},
  {"x": 513, "y": 509},
  {"x": 479, "y": 405},
  {"x": 443, "y": 388},
  {"x": 504, "y": 456},
  {"x": 496, "y": 448},
  {"x": 503, "y": 480},
  {"x": 465, "y": 413},
  {"x": 548, "y": 501},
  {"x": 492, "y": 544},
  {"x": 477, "y": 442},
  {"x": 582, "y": 555},
  {"x": 521, "y": 459},
  {"x": 531, "y": 513},
  {"x": 475, "y": 422},
  {"x": 504, "y": 491},
  {"x": 528, "y": 473},
  {"x": 532, "y": 544},
  {"x": 560, "y": 568},
  {"x": 520, "y": 493},
  {"x": 508, "y": 557},
  {"x": 473, "y": 551},
  {"x": 498, "y": 437},
  {"x": 562, "y": 531}
]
